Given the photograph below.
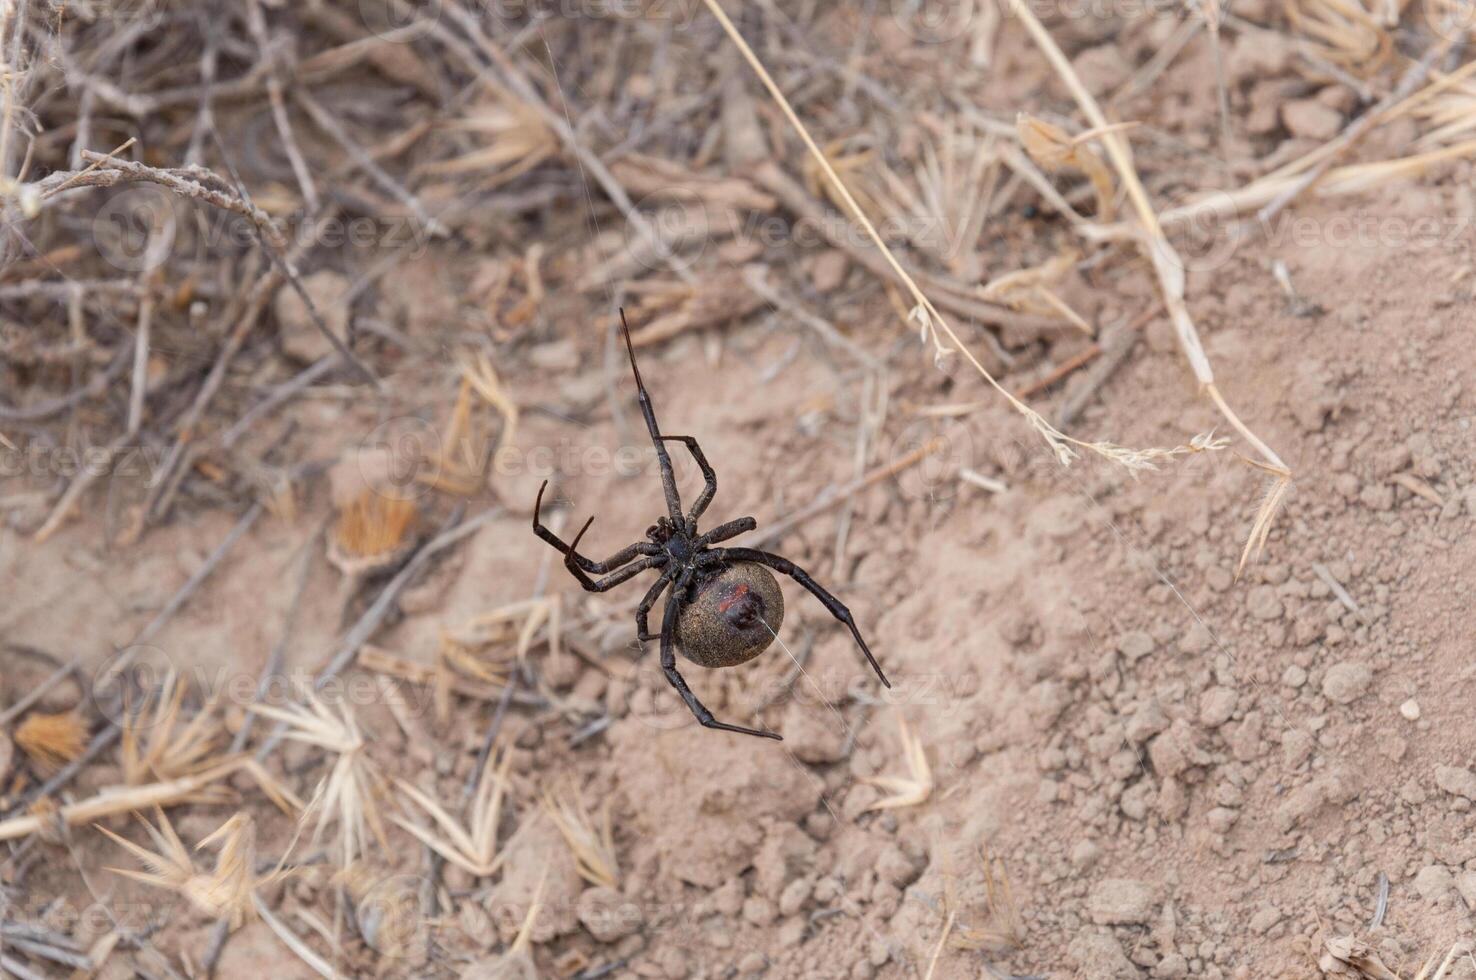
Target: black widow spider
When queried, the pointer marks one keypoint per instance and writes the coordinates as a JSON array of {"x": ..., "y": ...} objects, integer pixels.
[{"x": 725, "y": 607}]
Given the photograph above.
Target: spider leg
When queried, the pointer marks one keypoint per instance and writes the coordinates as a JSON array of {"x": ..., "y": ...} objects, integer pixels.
[
  {"x": 643, "y": 611},
  {"x": 597, "y": 567},
  {"x": 663, "y": 458},
  {"x": 709, "y": 478},
  {"x": 725, "y": 531},
  {"x": 668, "y": 665},
  {"x": 609, "y": 581},
  {"x": 837, "y": 608}
]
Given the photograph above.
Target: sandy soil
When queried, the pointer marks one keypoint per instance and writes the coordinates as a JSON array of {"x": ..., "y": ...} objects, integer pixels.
[{"x": 1141, "y": 765}]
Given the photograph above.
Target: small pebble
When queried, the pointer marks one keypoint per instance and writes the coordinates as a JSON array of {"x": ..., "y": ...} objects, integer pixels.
[{"x": 1410, "y": 710}]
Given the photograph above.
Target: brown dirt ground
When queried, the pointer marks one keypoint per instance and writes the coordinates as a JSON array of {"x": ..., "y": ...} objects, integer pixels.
[{"x": 1179, "y": 773}]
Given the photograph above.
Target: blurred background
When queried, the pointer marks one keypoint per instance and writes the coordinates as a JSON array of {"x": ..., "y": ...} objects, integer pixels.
[{"x": 1107, "y": 358}]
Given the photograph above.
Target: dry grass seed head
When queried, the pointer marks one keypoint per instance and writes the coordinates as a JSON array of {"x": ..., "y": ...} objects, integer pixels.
[
  {"x": 472, "y": 847},
  {"x": 52, "y": 740},
  {"x": 225, "y": 892},
  {"x": 509, "y": 136},
  {"x": 1344, "y": 32},
  {"x": 155, "y": 746},
  {"x": 372, "y": 532},
  {"x": 593, "y": 845},
  {"x": 912, "y": 789},
  {"x": 1002, "y": 927},
  {"x": 350, "y": 794}
]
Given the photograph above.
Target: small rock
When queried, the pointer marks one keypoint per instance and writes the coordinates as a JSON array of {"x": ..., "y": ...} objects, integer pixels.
[
  {"x": 1121, "y": 901},
  {"x": 1176, "y": 749},
  {"x": 1301, "y": 804},
  {"x": 811, "y": 736},
  {"x": 1084, "y": 854},
  {"x": 758, "y": 910},
  {"x": 1296, "y": 747},
  {"x": 1196, "y": 639},
  {"x": 1216, "y": 706},
  {"x": 1434, "y": 883},
  {"x": 1466, "y": 884},
  {"x": 1221, "y": 819},
  {"x": 607, "y": 915},
  {"x": 753, "y": 964},
  {"x": 1456, "y": 781},
  {"x": 1135, "y": 645},
  {"x": 1346, "y": 682},
  {"x": 1172, "y": 967},
  {"x": 1311, "y": 120},
  {"x": 1262, "y": 921},
  {"x": 1147, "y": 721},
  {"x": 893, "y": 867},
  {"x": 1409, "y": 709},
  {"x": 1263, "y": 603},
  {"x": 1099, "y": 956},
  {"x": 1173, "y": 800},
  {"x": 794, "y": 896}
]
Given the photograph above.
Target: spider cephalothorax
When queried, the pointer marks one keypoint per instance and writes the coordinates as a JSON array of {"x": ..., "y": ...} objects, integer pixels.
[{"x": 725, "y": 607}]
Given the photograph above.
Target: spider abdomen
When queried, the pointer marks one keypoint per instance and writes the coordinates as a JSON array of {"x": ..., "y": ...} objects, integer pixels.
[{"x": 732, "y": 616}]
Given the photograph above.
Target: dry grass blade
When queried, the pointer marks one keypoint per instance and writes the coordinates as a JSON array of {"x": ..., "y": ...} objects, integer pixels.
[
  {"x": 484, "y": 647},
  {"x": 294, "y": 943},
  {"x": 155, "y": 746},
  {"x": 1167, "y": 263},
  {"x": 942, "y": 941},
  {"x": 459, "y": 466},
  {"x": 931, "y": 324},
  {"x": 951, "y": 200},
  {"x": 167, "y": 793},
  {"x": 593, "y": 846},
  {"x": 1029, "y": 290},
  {"x": 912, "y": 789},
  {"x": 350, "y": 793},
  {"x": 225, "y": 892},
  {"x": 472, "y": 848},
  {"x": 1054, "y": 149},
  {"x": 1342, "y": 32},
  {"x": 517, "y": 963},
  {"x": 52, "y": 740}
]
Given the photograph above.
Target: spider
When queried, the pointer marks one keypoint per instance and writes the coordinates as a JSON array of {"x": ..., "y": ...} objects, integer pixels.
[{"x": 725, "y": 606}]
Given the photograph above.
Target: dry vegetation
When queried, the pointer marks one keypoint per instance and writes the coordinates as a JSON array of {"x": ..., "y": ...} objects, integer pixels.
[{"x": 173, "y": 290}]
